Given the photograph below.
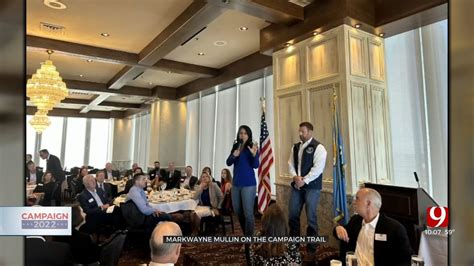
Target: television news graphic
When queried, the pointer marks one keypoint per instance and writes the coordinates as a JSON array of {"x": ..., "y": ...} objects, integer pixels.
[
  {"x": 245, "y": 239},
  {"x": 437, "y": 216},
  {"x": 30, "y": 221}
]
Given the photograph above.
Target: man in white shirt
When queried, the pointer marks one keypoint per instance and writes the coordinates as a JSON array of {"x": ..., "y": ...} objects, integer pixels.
[
  {"x": 306, "y": 166},
  {"x": 375, "y": 238},
  {"x": 164, "y": 253}
]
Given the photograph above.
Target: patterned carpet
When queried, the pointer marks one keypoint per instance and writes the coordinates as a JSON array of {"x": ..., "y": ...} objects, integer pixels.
[{"x": 214, "y": 254}]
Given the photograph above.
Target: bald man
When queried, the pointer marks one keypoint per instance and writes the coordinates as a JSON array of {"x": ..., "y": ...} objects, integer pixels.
[
  {"x": 164, "y": 253},
  {"x": 375, "y": 238}
]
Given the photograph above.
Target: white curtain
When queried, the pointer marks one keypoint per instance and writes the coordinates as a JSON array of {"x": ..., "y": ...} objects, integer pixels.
[
  {"x": 226, "y": 132},
  {"x": 207, "y": 132},
  {"x": 417, "y": 92},
  {"x": 192, "y": 134},
  {"x": 141, "y": 139}
]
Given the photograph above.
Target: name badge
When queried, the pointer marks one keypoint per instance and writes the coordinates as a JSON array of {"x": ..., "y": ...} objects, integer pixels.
[
  {"x": 381, "y": 237},
  {"x": 91, "y": 200},
  {"x": 40, "y": 184}
]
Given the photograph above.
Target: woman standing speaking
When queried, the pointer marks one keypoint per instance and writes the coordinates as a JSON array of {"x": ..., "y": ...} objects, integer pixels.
[{"x": 244, "y": 157}]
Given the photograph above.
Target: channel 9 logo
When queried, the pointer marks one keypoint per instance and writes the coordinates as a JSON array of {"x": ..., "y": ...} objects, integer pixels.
[{"x": 437, "y": 216}]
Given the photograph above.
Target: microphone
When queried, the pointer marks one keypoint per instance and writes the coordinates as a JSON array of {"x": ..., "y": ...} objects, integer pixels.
[{"x": 416, "y": 178}]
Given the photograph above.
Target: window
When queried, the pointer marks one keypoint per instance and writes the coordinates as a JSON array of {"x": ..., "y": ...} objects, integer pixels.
[
  {"x": 30, "y": 137},
  {"x": 99, "y": 142},
  {"x": 141, "y": 139},
  {"x": 51, "y": 138},
  {"x": 226, "y": 132},
  {"x": 207, "y": 132},
  {"x": 75, "y": 142},
  {"x": 192, "y": 134}
]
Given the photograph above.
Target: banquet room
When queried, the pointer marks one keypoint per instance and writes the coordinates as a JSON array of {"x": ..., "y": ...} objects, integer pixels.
[{"x": 226, "y": 118}]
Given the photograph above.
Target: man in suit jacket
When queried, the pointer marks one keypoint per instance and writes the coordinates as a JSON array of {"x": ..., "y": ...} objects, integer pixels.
[
  {"x": 189, "y": 181},
  {"x": 155, "y": 172},
  {"x": 32, "y": 174},
  {"x": 53, "y": 164},
  {"x": 95, "y": 206},
  {"x": 375, "y": 238},
  {"x": 110, "y": 173},
  {"x": 104, "y": 188},
  {"x": 172, "y": 177}
]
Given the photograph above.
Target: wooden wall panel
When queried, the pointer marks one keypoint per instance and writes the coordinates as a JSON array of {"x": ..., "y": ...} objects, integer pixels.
[
  {"x": 322, "y": 59},
  {"x": 357, "y": 56},
  {"x": 290, "y": 115},
  {"x": 288, "y": 73},
  {"x": 321, "y": 103},
  {"x": 379, "y": 133},
  {"x": 360, "y": 132},
  {"x": 376, "y": 60}
]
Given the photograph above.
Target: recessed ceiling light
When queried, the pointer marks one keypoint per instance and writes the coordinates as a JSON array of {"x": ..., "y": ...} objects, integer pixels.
[
  {"x": 381, "y": 34},
  {"x": 220, "y": 43},
  {"x": 243, "y": 28},
  {"x": 55, "y": 4},
  {"x": 81, "y": 75},
  {"x": 287, "y": 44},
  {"x": 150, "y": 83},
  {"x": 357, "y": 25},
  {"x": 200, "y": 53},
  {"x": 105, "y": 34},
  {"x": 89, "y": 60},
  {"x": 315, "y": 33}
]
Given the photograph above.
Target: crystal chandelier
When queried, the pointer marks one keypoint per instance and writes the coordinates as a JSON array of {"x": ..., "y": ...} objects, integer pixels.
[
  {"x": 46, "y": 88},
  {"x": 40, "y": 121}
]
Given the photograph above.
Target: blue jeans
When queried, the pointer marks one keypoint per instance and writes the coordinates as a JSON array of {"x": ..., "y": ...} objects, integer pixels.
[
  {"x": 243, "y": 199},
  {"x": 310, "y": 198}
]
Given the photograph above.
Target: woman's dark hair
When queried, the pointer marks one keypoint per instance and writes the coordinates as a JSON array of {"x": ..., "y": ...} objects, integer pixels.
[
  {"x": 45, "y": 173},
  {"x": 238, "y": 141},
  {"x": 208, "y": 170},
  {"x": 228, "y": 175},
  {"x": 76, "y": 215},
  {"x": 273, "y": 224},
  {"x": 80, "y": 171},
  {"x": 141, "y": 170}
]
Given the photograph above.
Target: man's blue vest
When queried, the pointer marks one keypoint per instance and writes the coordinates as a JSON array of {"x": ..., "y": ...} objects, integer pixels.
[{"x": 307, "y": 163}]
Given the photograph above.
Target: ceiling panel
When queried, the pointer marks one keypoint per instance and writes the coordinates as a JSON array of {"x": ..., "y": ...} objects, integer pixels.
[
  {"x": 107, "y": 108},
  {"x": 151, "y": 78},
  {"x": 70, "y": 67},
  {"x": 127, "y": 99},
  {"x": 131, "y": 24},
  {"x": 80, "y": 95},
  {"x": 225, "y": 28}
]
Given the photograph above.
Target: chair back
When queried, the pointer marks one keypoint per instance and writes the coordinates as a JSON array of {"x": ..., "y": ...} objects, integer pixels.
[
  {"x": 132, "y": 215},
  {"x": 112, "y": 248}
]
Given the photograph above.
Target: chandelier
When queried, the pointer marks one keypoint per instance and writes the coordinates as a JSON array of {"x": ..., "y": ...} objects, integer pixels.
[
  {"x": 40, "y": 121},
  {"x": 46, "y": 88}
]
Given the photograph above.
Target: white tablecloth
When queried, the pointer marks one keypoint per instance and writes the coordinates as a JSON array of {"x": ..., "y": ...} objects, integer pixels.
[
  {"x": 30, "y": 189},
  {"x": 434, "y": 249},
  {"x": 168, "y": 207},
  {"x": 120, "y": 185}
]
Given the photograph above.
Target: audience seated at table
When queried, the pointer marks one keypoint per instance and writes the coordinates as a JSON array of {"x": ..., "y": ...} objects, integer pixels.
[
  {"x": 131, "y": 172},
  {"x": 48, "y": 187},
  {"x": 210, "y": 199},
  {"x": 226, "y": 188},
  {"x": 95, "y": 206},
  {"x": 164, "y": 253},
  {"x": 137, "y": 195},
  {"x": 130, "y": 182},
  {"x": 110, "y": 173},
  {"x": 274, "y": 224},
  {"x": 77, "y": 182},
  {"x": 171, "y": 177},
  {"x": 156, "y": 171},
  {"x": 84, "y": 249},
  {"x": 188, "y": 181},
  {"x": 33, "y": 176},
  {"x": 375, "y": 238},
  {"x": 104, "y": 188}
]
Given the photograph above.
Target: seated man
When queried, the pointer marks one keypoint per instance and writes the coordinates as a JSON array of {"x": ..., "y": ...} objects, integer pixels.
[
  {"x": 33, "y": 176},
  {"x": 95, "y": 205},
  {"x": 164, "y": 253},
  {"x": 137, "y": 195},
  {"x": 104, "y": 188},
  {"x": 110, "y": 173},
  {"x": 189, "y": 181},
  {"x": 171, "y": 177},
  {"x": 375, "y": 238},
  {"x": 155, "y": 172}
]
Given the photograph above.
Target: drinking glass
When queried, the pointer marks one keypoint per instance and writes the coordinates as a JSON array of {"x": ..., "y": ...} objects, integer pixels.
[
  {"x": 351, "y": 259},
  {"x": 417, "y": 261}
]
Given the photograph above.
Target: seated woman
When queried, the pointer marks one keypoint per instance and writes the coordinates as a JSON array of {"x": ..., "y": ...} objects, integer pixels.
[
  {"x": 46, "y": 186},
  {"x": 210, "y": 199},
  {"x": 83, "y": 247},
  {"x": 129, "y": 184},
  {"x": 274, "y": 224},
  {"x": 226, "y": 187},
  {"x": 77, "y": 183}
]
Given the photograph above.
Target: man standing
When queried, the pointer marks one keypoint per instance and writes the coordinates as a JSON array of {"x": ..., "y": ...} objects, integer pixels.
[
  {"x": 172, "y": 177},
  {"x": 155, "y": 172},
  {"x": 189, "y": 180},
  {"x": 375, "y": 238},
  {"x": 53, "y": 164},
  {"x": 110, "y": 173},
  {"x": 164, "y": 253},
  {"x": 306, "y": 166}
]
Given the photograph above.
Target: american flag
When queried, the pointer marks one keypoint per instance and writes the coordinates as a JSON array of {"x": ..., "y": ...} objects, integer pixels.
[{"x": 266, "y": 161}]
